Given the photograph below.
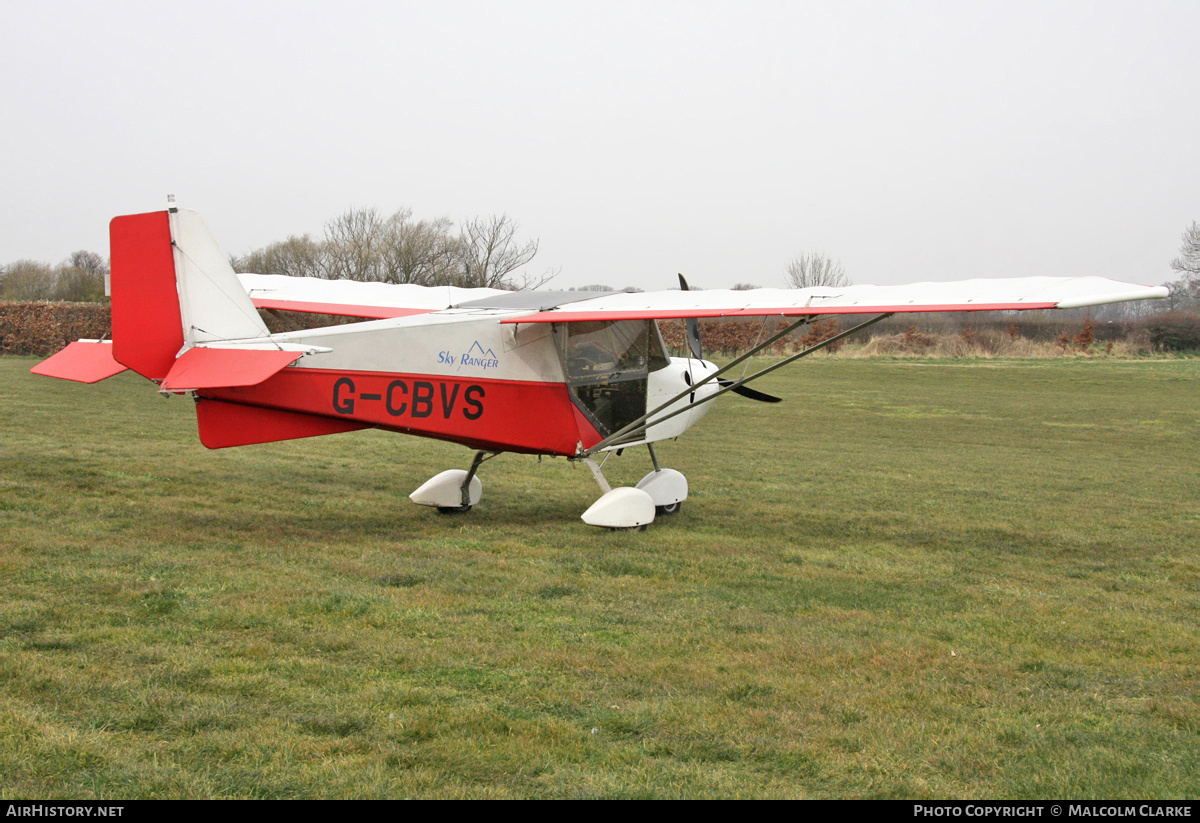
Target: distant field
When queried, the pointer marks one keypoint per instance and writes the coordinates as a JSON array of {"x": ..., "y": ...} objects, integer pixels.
[{"x": 914, "y": 578}]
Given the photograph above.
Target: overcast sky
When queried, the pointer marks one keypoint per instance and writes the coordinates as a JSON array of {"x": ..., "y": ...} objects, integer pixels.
[{"x": 910, "y": 140}]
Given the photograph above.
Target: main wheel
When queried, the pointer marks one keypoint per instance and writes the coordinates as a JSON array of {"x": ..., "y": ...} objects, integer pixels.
[
  {"x": 453, "y": 509},
  {"x": 670, "y": 508}
]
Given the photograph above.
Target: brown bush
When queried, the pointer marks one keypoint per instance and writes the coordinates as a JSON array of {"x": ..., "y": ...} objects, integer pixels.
[
  {"x": 915, "y": 340},
  {"x": 1086, "y": 337},
  {"x": 819, "y": 332},
  {"x": 44, "y": 328},
  {"x": 724, "y": 337},
  {"x": 279, "y": 321},
  {"x": 1173, "y": 331}
]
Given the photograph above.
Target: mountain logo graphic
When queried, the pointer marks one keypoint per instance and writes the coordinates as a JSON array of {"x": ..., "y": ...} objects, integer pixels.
[{"x": 479, "y": 357}]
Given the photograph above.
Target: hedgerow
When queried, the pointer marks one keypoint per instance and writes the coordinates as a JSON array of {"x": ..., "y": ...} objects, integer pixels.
[{"x": 44, "y": 328}]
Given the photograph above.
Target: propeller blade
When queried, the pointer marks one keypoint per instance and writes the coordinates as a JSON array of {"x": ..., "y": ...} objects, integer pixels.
[
  {"x": 693, "y": 328},
  {"x": 752, "y": 394},
  {"x": 693, "y": 337}
]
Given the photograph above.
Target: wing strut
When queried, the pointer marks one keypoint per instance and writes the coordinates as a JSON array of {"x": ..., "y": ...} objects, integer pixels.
[{"x": 637, "y": 428}]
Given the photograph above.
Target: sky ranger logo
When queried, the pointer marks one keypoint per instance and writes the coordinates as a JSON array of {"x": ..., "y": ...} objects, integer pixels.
[{"x": 476, "y": 356}]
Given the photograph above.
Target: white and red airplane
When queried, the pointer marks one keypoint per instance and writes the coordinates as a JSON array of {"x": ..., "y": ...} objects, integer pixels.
[{"x": 572, "y": 374}]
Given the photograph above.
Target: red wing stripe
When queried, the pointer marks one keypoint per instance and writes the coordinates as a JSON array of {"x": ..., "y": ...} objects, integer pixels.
[
  {"x": 795, "y": 311},
  {"x": 338, "y": 309}
]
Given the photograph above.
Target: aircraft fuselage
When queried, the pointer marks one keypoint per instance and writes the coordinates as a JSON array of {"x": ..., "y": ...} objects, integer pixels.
[{"x": 462, "y": 376}]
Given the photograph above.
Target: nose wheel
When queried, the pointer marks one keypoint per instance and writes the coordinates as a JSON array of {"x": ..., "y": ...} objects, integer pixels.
[
  {"x": 661, "y": 492},
  {"x": 667, "y": 487}
]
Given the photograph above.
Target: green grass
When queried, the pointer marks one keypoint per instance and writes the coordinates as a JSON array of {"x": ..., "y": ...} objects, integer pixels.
[{"x": 912, "y": 579}]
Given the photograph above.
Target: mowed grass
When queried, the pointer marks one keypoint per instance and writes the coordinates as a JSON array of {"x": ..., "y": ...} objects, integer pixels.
[{"x": 912, "y": 579}]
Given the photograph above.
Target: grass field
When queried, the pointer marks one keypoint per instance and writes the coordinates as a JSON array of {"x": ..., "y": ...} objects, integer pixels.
[{"x": 919, "y": 579}]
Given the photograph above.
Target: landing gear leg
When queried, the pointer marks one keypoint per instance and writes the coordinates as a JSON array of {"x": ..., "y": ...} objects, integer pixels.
[
  {"x": 465, "y": 496},
  {"x": 453, "y": 491},
  {"x": 620, "y": 509},
  {"x": 667, "y": 487}
]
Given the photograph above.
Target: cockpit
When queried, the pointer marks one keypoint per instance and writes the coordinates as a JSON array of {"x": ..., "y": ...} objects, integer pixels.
[{"x": 607, "y": 365}]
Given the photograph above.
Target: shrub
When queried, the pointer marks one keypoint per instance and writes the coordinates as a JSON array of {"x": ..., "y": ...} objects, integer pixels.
[
  {"x": 1174, "y": 331},
  {"x": 44, "y": 328},
  {"x": 1085, "y": 338},
  {"x": 819, "y": 332}
]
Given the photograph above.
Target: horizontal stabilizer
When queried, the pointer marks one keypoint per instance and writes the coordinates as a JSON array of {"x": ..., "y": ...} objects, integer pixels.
[
  {"x": 205, "y": 368},
  {"x": 84, "y": 361},
  {"x": 231, "y": 424}
]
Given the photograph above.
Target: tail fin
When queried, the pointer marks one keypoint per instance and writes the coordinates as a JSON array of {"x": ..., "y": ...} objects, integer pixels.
[
  {"x": 212, "y": 301},
  {"x": 172, "y": 287},
  {"x": 147, "y": 325}
]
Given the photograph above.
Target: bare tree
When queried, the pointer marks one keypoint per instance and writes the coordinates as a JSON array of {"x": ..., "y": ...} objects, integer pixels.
[
  {"x": 28, "y": 280},
  {"x": 362, "y": 244},
  {"x": 1188, "y": 260},
  {"x": 80, "y": 278},
  {"x": 89, "y": 262},
  {"x": 295, "y": 257},
  {"x": 353, "y": 242},
  {"x": 1183, "y": 295},
  {"x": 490, "y": 253},
  {"x": 423, "y": 252},
  {"x": 815, "y": 269}
]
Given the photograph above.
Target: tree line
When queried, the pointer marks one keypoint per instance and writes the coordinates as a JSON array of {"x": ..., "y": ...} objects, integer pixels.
[
  {"x": 360, "y": 244},
  {"x": 364, "y": 244},
  {"x": 78, "y": 279}
]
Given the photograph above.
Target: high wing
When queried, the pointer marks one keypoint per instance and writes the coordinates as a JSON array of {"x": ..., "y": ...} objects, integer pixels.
[
  {"x": 350, "y": 298},
  {"x": 961, "y": 295},
  {"x": 386, "y": 300}
]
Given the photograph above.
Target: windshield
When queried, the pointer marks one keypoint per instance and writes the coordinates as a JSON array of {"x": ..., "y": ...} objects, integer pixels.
[{"x": 607, "y": 363}]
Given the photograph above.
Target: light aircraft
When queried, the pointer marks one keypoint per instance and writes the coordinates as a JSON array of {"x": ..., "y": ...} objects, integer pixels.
[{"x": 571, "y": 374}]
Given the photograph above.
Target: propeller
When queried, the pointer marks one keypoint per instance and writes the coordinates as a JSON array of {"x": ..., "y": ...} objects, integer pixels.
[
  {"x": 752, "y": 394},
  {"x": 692, "y": 326}
]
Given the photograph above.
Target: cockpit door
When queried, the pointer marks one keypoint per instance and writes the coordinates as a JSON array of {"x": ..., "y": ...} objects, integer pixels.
[{"x": 607, "y": 364}]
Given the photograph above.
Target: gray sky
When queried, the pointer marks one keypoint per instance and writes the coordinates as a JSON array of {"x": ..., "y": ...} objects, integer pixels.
[{"x": 911, "y": 140}]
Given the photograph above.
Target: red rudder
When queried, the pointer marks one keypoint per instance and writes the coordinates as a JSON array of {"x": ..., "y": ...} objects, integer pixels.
[{"x": 147, "y": 329}]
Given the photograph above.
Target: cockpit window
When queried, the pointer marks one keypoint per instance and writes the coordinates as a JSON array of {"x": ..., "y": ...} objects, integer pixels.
[
  {"x": 607, "y": 363},
  {"x": 621, "y": 349}
]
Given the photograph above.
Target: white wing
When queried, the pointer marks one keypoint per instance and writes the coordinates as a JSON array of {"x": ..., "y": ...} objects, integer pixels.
[
  {"x": 961, "y": 295},
  {"x": 380, "y": 300},
  {"x": 352, "y": 298}
]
